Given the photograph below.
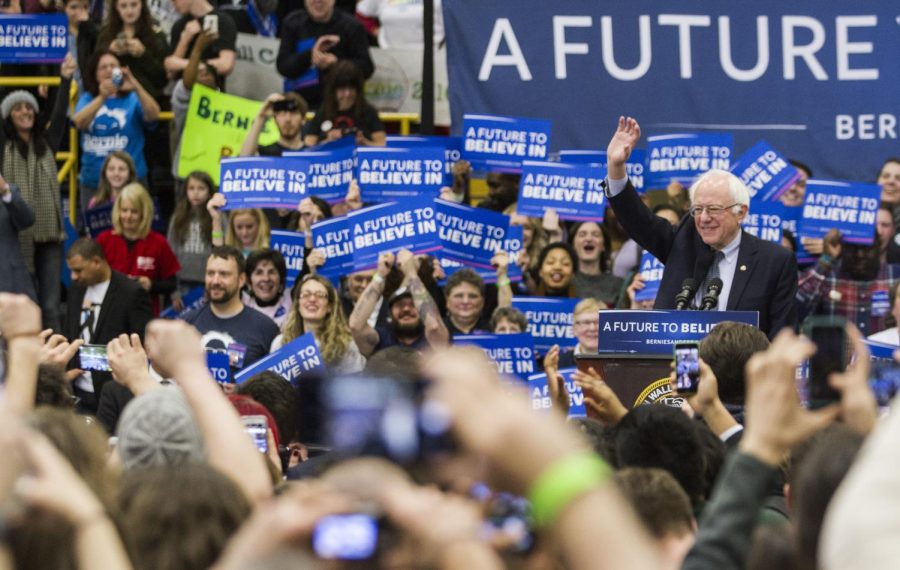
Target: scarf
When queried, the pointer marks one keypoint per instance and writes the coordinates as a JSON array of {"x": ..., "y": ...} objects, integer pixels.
[{"x": 36, "y": 178}]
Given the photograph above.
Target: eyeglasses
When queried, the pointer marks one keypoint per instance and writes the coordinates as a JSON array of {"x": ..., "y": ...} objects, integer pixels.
[
  {"x": 586, "y": 324},
  {"x": 314, "y": 294},
  {"x": 713, "y": 211}
]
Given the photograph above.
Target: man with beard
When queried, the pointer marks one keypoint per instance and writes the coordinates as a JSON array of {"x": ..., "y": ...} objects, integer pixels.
[
  {"x": 414, "y": 317},
  {"x": 503, "y": 191},
  {"x": 225, "y": 322},
  {"x": 850, "y": 281},
  {"x": 289, "y": 111}
]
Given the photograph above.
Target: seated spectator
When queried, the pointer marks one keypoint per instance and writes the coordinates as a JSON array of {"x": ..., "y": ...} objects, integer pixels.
[
  {"x": 508, "y": 320},
  {"x": 795, "y": 194},
  {"x": 414, "y": 317},
  {"x": 118, "y": 170},
  {"x": 846, "y": 281},
  {"x": 318, "y": 311},
  {"x": 190, "y": 232},
  {"x": 220, "y": 54},
  {"x": 313, "y": 41},
  {"x": 556, "y": 271},
  {"x": 289, "y": 111},
  {"x": 464, "y": 295},
  {"x": 111, "y": 115},
  {"x": 345, "y": 111},
  {"x": 225, "y": 322},
  {"x": 266, "y": 289},
  {"x": 663, "y": 507},
  {"x": 131, "y": 34},
  {"x": 400, "y": 25},
  {"x": 593, "y": 279},
  {"x": 132, "y": 248}
]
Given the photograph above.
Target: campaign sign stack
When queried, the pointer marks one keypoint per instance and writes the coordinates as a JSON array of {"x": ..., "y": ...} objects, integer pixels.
[
  {"x": 683, "y": 157},
  {"x": 263, "y": 182},
  {"x": 574, "y": 191},
  {"x": 848, "y": 207},
  {"x": 291, "y": 245},
  {"x": 290, "y": 361},
  {"x": 385, "y": 173},
  {"x": 494, "y": 142},
  {"x": 540, "y": 393},
  {"x": 550, "y": 321}
]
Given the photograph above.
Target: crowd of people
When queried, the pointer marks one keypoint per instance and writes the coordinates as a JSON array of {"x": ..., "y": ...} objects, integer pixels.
[{"x": 121, "y": 450}]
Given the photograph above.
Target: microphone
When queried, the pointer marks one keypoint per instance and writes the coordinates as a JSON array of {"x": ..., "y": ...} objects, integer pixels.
[
  {"x": 711, "y": 299},
  {"x": 683, "y": 298}
]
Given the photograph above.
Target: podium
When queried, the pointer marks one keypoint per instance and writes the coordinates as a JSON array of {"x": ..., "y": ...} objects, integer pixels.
[{"x": 635, "y": 349}]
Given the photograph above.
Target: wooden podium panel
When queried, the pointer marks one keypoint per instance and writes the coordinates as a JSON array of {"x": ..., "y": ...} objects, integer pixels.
[{"x": 635, "y": 378}]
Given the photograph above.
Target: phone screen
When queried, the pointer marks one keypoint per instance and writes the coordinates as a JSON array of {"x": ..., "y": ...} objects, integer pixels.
[
  {"x": 257, "y": 427},
  {"x": 884, "y": 379},
  {"x": 345, "y": 537},
  {"x": 93, "y": 357},
  {"x": 211, "y": 23},
  {"x": 830, "y": 357},
  {"x": 687, "y": 367}
]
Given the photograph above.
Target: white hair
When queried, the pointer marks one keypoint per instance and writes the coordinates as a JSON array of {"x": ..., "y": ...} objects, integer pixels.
[{"x": 740, "y": 194}]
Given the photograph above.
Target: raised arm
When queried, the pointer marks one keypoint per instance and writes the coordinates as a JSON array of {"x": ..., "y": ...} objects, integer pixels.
[
  {"x": 365, "y": 336},
  {"x": 149, "y": 106},
  {"x": 435, "y": 331},
  {"x": 20, "y": 323}
]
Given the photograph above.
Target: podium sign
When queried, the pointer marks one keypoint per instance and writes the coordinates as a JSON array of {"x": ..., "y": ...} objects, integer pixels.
[{"x": 656, "y": 332}]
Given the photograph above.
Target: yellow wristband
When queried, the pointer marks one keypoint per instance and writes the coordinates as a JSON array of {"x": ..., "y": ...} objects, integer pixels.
[{"x": 563, "y": 482}]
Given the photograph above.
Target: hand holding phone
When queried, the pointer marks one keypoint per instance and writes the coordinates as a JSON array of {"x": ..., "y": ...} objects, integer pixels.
[
  {"x": 829, "y": 334},
  {"x": 257, "y": 427},
  {"x": 211, "y": 23},
  {"x": 346, "y": 537},
  {"x": 93, "y": 357}
]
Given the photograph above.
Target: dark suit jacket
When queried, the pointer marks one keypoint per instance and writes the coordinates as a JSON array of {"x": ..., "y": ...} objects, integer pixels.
[
  {"x": 125, "y": 309},
  {"x": 765, "y": 279}
]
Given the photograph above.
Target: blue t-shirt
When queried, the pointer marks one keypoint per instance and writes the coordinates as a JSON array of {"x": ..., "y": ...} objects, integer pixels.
[{"x": 118, "y": 125}]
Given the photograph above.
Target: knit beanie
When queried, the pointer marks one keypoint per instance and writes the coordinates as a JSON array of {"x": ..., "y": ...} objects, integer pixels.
[
  {"x": 13, "y": 99},
  {"x": 158, "y": 429}
]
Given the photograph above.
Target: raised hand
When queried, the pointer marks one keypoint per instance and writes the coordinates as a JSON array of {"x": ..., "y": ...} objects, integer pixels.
[{"x": 627, "y": 134}]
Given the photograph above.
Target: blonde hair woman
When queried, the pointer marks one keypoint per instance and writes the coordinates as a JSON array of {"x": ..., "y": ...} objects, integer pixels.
[
  {"x": 317, "y": 309},
  {"x": 134, "y": 249}
]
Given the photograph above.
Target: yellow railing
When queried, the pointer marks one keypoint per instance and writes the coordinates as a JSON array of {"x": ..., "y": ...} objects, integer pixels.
[{"x": 69, "y": 160}]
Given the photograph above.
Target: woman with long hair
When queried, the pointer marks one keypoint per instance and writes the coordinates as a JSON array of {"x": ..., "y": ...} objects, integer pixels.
[
  {"x": 28, "y": 162},
  {"x": 131, "y": 33},
  {"x": 190, "y": 230},
  {"x": 317, "y": 309},
  {"x": 132, "y": 248},
  {"x": 118, "y": 170},
  {"x": 345, "y": 110},
  {"x": 593, "y": 277}
]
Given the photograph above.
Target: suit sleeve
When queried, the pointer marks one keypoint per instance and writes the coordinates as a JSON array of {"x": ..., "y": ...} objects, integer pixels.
[
  {"x": 783, "y": 306},
  {"x": 20, "y": 214},
  {"x": 650, "y": 231},
  {"x": 139, "y": 312}
]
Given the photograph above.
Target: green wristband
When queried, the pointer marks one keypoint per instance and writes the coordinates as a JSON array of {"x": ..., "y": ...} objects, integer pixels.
[
  {"x": 503, "y": 282},
  {"x": 563, "y": 482}
]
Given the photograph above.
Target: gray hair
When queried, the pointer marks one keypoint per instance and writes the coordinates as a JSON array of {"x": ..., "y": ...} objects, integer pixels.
[{"x": 740, "y": 194}]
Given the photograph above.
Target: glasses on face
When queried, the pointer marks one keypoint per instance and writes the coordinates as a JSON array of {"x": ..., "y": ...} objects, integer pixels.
[
  {"x": 586, "y": 324},
  {"x": 713, "y": 211},
  {"x": 321, "y": 295}
]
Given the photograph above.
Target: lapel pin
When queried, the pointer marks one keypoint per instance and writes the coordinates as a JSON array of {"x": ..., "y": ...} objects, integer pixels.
[{"x": 743, "y": 268}]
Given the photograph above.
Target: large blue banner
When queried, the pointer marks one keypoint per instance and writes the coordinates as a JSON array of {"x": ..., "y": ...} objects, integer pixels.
[
  {"x": 550, "y": 320},
  {"x": 451, "y": 146},
  {"x": 263, "y": 182},
  {"x": 540, "y": 393},
  {"x": 33, "y": 38},
  {"x": 332, "y": 236},
  {"x": 330, "y": 170},
  {"x": 471, "y": 236},
  {"x": 390, "y": 227},
  {"x": 290, "y": 361},
  {"x": 850, "y": 208},
  {"x": 503, "y": 143},
  {"x": 816, "y": 79},
  {"x": 765, "y": 172},
  {"x": 656, "y": 332},
  {"x": 575, "y": 191},
  {"x": 291, "y": 245},
  {"x": 512, "y": 353},
  {"x": 390, "y": 173},
  {"x": 683, "y": 157}
]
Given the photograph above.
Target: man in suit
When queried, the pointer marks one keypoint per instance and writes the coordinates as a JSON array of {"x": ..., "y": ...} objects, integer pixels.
[
  {"x": 102, "y": 304},
  {"x": 756, "y": 275}
]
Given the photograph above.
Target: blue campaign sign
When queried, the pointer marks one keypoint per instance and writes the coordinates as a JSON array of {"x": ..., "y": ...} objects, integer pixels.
[
  {"x": 392, "y": 226},
  {"x": 33, "y": 38},
  {"x": 512, "y": 353},
  {"x": 634, "y": 167},
  {"x": 512, "y": 245},
  {"x": 330, "y": 170},
  {"x": 389, "y": 173},
  {"x": 683, "y": 157},
  {"x": 503, "y": 143},
  {"x": 765, "y": 219},
  {"x": 451, "y": 146},
  {"x": 99, "y": 219},
  {"x": 880, "y": 350},
  {"x": 263, "y": 182},
  {"x": 789, "y": 221},
  {"x": 651, "y": 273},
  {"x": 540, "y": 393},
  {"x": 549, "y": 320},
  {"x": 765, "y": 172},
  {"x": 291, "y": 245},
  {"x": 332, "y": 237},
  {"x": 759, "y": 69},
  {"x": 656, "y": 332},
  {"x": 575, "y": 191},
  {"x": 218, "y": 364},
  {"x": 847, "y": 206},
  {"x": 471, "y": 236},
  {"x": 193, "y": 299},
  {"x": 290, "y": 361}
]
